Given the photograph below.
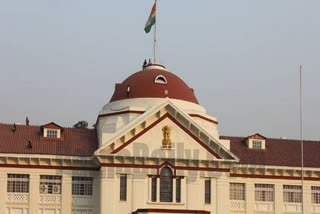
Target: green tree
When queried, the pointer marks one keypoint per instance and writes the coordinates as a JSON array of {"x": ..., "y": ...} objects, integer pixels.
[{"x": 81, "y": 124}]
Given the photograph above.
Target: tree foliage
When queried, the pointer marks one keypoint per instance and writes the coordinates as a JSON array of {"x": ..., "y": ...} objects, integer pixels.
[{"x": 81, "y": 124}]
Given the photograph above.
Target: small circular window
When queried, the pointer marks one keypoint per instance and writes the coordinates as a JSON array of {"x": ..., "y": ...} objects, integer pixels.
[{"x": 160, "y": 79}]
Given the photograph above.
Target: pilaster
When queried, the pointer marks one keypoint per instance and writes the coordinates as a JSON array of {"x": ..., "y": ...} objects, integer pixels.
[
  {"x": 3, "y": 191},
  {"x": 307, "y": 198},
  {"x": 66, "y": 193},
  {"x": 250, "y": 199},
  {"x": 158, "y": 189},
  {"x": 107, "y": 194},
  {"x": 34, "y": 193},
  {"x": 174, "y": 191},
  {"x": 222, "y": 197},
  {"x": 96, "y": 195},
  {"x": 278, "y": 198}
]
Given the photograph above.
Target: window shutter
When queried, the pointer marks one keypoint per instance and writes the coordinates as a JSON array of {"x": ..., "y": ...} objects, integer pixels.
[
  {"x": 154, "y": 189},
  {"x": 166, "y": 185},
  {"x": 178, "y": 189},
  {"x": 207, "y": 190},
  {"x": 123, "y": 187}
]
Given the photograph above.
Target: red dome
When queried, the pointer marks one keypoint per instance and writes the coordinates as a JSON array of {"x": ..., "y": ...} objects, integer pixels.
[{"x": 153, "y": 83}]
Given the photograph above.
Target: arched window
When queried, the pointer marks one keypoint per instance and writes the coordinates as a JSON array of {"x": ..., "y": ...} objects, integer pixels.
[
  {"x": 166, "y": 180},
  {"x": 160, "y": 79}
]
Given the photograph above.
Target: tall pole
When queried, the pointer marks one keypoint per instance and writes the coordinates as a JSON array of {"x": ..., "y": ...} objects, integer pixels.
[
  {"x": 155, "y": 37},
  {"x": 301, "y": 139}
]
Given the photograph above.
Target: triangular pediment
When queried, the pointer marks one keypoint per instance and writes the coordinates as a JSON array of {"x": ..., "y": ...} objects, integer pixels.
[{"x": 165, "y": 132}]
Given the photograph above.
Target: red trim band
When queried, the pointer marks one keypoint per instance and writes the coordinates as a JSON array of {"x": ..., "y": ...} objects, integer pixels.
[
  {"x": 170, "y": 211},
  {"x": 49, "y": 167},
  {"x": 204, "y": 118},
  {"x": 121, "y": 112},
  {"x": 121, "y": 165},
  {"x": 273, "y": 177}
]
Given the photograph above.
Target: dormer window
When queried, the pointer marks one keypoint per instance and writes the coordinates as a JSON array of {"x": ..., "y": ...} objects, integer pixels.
[
  {"x": 160, "y": 79},
  {"x": 51, "y": 130},
  {"x": 52, "y": 133},
  {"x": 256, "y": 141},
  {"x": 257, "y": 144}
]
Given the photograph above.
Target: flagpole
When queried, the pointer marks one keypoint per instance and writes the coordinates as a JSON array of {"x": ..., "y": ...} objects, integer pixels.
[
  {"x": 155, "y": 37},
  {"x": 301, "y": 139}
]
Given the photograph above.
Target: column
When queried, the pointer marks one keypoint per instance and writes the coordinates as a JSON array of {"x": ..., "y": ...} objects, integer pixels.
[
  {"x": 174, "y": 190},
  {"x": 278, "y": 198},
  {"x": 158, "y": 189},
  {"x": 250, "y": 199},
  {"x": 3, "y": 191},
  {"x": 149, "y": 189},
  {"x": 34, "y": 195},
  {"x": 184, "y": 190},
  {"x": 66, "y": 194}
]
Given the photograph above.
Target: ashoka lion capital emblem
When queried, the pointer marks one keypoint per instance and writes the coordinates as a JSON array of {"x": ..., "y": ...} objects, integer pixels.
[{"x": 166, "y": 142}]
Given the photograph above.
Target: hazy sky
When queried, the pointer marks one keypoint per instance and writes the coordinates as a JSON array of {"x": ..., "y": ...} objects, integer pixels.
[{"x": 59, "y": 60}]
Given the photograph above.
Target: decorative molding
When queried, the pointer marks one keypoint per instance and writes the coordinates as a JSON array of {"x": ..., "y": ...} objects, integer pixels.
[
  {"x": 167, "y": 115},
  {"x": 148, "y": 210},
  {"x": 204, "y": 118},
  {"x": 280, "y": 177},
  {"x": 49, "y": 167},
  {"x": 121, "y": 112},
  {"x": 158, "y": 167}
]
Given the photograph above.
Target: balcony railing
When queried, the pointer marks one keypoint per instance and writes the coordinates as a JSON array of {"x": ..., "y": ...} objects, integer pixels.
[
  {"x": 18, "y": 197},
  {"x": 50, "y": 199},
  {"x": 237, "y": 205}
]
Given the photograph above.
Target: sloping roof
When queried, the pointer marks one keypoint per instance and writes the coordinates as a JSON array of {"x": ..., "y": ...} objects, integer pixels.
[
  {"x": 278, "y": 152},
  {"x": 75, "y": 141}
]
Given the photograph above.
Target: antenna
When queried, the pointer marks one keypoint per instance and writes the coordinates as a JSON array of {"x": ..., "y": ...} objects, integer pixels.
[{"x": 301, "y": 139}]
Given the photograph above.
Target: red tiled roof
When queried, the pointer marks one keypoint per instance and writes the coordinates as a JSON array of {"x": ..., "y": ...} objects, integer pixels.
[
  {"x": 278, "y": 152},
  {"x": 142, "y": 85},
  {"x": 74, "y": 141}
]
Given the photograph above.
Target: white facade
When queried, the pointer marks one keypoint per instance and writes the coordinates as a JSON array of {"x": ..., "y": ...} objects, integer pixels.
[{"x": 126, "y": 173}]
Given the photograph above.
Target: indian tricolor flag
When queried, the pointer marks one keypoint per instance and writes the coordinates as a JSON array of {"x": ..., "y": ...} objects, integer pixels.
[{"x": 152, "y": 19}]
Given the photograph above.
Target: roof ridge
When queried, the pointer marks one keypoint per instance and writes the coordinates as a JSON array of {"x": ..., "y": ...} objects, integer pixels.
[
  {"x": 271, "y": 138},
  {"x": 38, "y": 126}
]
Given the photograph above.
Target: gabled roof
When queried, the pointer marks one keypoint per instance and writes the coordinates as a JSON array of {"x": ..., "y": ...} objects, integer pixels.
[
  {"x": 167, "y": 109},
  {"x": 76, "y": 142},
  {"x": 255, "y": 135},
  {"x": 51, "y": 125},
  {"x": 278, "y": 152}
]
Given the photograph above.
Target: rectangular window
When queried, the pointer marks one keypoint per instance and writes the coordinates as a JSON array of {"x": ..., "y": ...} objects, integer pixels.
[
  {"x": 207, "y": 191},
  {"x": 82, "y": 185},
  {"x": 52, "y": 133},
  {"x": 50, "y": 184},
  {"x": 18, "y": 183},
  {"x": 315, "y": 194},
  {"x": 154, "y": 188},
  {"x": 178, "y": 189},
  {"x": 123, "y": 187},
  {"x": 264, "y": 192},
  {"x": 237, "y": 191},
  {"x": 292, "y": 194},
  {"x": 257, "y": 144}
]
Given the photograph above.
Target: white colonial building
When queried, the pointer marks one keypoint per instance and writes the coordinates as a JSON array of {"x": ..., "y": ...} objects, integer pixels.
[{"x": 154, "y": 150}]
